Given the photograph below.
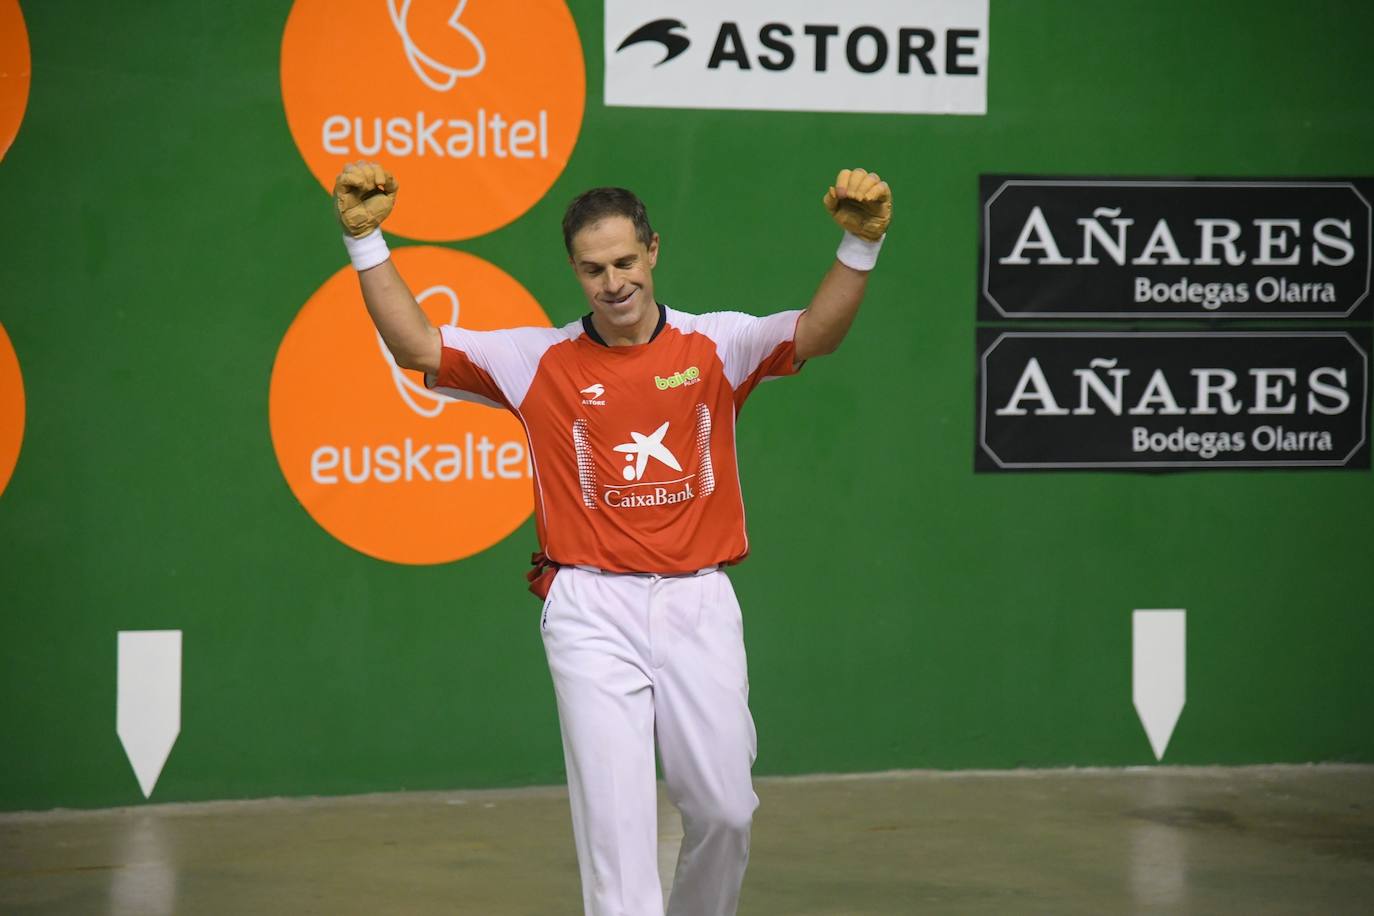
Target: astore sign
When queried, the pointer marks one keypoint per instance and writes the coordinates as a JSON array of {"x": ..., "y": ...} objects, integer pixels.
[{"x": 910, "y": 57}]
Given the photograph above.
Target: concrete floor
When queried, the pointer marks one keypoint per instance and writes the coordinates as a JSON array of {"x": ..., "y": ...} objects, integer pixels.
[{"x": 1253, "y": 840}]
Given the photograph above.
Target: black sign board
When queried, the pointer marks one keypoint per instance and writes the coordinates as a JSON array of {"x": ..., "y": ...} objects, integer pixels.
[
  {"x": 1173, "y": 248},
  {"x": 1172, "y": 400}
]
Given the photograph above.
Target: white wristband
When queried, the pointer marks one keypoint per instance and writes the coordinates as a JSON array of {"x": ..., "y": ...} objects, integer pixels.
[
  {"x": 858, "y": 253},
  {"x": 368, "y": 251}
]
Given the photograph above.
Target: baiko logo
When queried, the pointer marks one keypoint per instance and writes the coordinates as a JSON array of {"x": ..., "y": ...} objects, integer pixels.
[
  {"x": 11, "y": 409},
  {"x": 475, "y": 106},
  {"x": 378, "y": 460},
  {"x": 14, "y": 72},
  {"x": 689, "y": 376}
]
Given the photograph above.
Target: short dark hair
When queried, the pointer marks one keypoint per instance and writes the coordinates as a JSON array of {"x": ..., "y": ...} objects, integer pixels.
[{"x": 597, "y": 204}]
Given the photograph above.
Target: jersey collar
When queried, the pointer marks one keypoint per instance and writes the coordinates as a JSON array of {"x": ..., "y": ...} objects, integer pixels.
[{"x": 591, "y": 331}]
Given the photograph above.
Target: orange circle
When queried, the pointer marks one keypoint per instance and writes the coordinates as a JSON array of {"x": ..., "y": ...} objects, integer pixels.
[
  {"x": 475, "y": 105},
  {"x": 387, "y": 467},
  {"x": 11, "y": 409},
  {"x": 14, "y": 72}
]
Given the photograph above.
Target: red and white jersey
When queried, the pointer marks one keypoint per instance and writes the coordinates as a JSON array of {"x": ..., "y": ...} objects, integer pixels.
[{"x": 633, "y": 447}]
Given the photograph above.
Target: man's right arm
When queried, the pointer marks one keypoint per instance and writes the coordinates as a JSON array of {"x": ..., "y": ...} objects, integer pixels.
[
  {"x": 364, "y": 194},
  {"x": 404, "y": 327}
]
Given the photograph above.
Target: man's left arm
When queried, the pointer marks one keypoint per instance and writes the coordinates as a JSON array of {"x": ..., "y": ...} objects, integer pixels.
[{"x": 861, "y": 203}]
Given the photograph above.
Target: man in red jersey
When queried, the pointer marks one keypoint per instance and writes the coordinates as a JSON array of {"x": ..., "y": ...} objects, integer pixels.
[{"x": 630, "y": 413}]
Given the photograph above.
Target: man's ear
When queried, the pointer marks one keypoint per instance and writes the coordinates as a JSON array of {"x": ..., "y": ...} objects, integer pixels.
[{"x": 653, "y": 251}]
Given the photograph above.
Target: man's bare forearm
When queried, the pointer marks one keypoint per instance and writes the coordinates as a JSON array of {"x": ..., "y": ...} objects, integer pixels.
[
  {"x": 404, "y": 327},
  {"x": 364, "y": 194},
  {"x": 861, "y": 203},
  {"x": 827, "y": 319}
]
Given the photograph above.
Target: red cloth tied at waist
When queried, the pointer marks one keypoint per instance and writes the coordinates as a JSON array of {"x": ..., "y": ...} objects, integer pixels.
[{"x": 541, "y": 576}]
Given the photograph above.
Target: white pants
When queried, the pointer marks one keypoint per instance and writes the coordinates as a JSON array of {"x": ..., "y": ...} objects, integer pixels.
[{"x": 634, "y": 657}]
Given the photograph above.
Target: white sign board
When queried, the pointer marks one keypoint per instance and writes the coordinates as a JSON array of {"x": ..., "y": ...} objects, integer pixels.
[{"x": 911, "y": 57}]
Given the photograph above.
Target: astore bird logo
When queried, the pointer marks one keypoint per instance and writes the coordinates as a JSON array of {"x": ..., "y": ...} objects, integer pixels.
[{"x": 661, "y": 31}]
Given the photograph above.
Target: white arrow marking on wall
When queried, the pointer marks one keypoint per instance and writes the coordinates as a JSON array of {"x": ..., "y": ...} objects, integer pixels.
[
  {"x": 148, "y": 700},
  {"x": 1157, "y": 673}
]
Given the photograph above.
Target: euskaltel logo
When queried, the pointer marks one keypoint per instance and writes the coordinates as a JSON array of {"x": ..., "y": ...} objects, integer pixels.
[
  {"x": 14, "y": 72},
  {"x": 477, "y": 102},
  {"x": 382, "y": 463},
  {"x": 11, "y": 409}
]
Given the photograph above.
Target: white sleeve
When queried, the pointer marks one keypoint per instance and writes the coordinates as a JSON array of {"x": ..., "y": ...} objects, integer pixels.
[
  {"x": 497, "y": 366},
  {"x": 752, "y": 349}
]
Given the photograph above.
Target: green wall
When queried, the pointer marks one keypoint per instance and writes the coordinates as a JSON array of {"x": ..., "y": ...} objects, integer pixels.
[{"x": 160, "y": 232}]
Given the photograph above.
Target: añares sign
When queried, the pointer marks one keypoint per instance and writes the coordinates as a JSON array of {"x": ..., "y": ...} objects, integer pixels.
[
  {"x": 1173, "y": 248},
  {"x": 1165, "y": 400}
]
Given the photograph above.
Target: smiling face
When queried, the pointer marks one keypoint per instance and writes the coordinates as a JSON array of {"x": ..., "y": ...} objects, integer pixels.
[{"x": 616, "y": 272}]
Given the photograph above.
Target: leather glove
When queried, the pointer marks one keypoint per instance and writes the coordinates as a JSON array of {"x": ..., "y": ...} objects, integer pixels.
[
  {"x": 861, "y": 203},
  {"x": 364, "y": 194}
]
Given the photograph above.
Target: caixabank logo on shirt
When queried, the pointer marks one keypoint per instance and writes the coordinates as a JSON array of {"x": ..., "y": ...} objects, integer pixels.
[
  {"x": 380, "y": 462},
  {"x": 910, "y": 57},
  {"x": 649, "y": 471},
  {"x": 477, "y": 104},
  {"x": 14, "y": 72}
]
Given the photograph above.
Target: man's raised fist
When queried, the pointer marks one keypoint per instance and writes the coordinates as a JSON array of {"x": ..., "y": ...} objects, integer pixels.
[
  {"x": 364, "y": 194},
  {"x": 861, "y": 203}
]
